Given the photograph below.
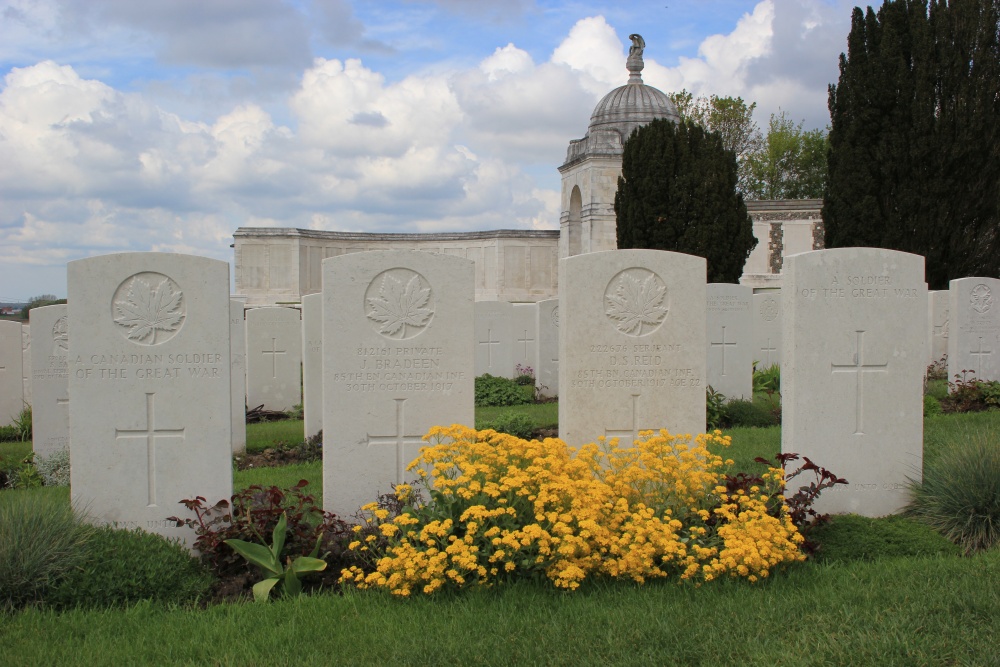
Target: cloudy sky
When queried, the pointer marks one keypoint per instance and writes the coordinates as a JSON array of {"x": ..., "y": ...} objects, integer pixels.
[{"x": 135, "y": 125}]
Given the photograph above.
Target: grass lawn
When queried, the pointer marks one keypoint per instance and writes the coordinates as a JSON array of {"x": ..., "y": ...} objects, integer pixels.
[{"x": 886, "y": 591}]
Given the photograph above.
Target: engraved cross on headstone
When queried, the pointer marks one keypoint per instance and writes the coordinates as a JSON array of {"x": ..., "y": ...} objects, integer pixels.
[
  {"x": 723, "y": 345},
  {"x": 767, "y": 350},
  {"x": 979, "y": 353},
  {"x": 150, "y": 433},
  {"x": 274, "y": 352},
  {"x": 398, "y": 439},
  {"x": 525, "y": 340},
  {"x": 489, "y": 343},
  {"x": 632, "y": 432},
  {"x": 859, "y": 368}
]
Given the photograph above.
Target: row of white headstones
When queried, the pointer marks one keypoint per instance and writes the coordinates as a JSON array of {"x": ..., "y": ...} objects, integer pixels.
[{"x": 150, "y": 369}]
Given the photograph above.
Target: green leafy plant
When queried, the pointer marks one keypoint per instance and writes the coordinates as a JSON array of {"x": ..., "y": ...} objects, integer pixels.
[
  {"x": 492, "y": 391},
  {"x": 714, "y": 408},
  {"x": 516, "y": 424},
  {"x": 268, "y": 559},
  {"x": 22, "y": 424},
  {"x": 741, "y": 412},
  {"x": 959, "y": 495},
  {"x": 967, "y": 394},
  {"x": 932, "y": 406},
  {"x": 767, "y": 380}
]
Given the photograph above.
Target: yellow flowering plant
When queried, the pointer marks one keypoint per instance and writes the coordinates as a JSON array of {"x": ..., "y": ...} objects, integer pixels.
[{"x": 500, "y": 507}]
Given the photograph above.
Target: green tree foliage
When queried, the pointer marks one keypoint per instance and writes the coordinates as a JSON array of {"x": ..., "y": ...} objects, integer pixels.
[
  {"x": 914, "y": 162},
  {"x": 678, "y": 191},
  {"x": 38, "y": 302},
  {"x": 791, "y": 162}
]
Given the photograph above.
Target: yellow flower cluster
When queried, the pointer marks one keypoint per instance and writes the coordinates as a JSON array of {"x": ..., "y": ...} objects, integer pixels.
[{"x": 501, "y": 507}]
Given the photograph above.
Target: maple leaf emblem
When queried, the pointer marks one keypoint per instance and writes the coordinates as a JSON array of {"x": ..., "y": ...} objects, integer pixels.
[
  {"x": 397, "y": 306},
  {"x": 637, "y": 301},
  {"x": 147, "y": 310}
]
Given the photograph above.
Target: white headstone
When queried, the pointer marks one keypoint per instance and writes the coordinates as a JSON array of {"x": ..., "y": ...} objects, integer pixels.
[
  {"x": 274, "y": 358},
  {"x": 494, "y": 337},
  {"x": 937, "y": 312},
  {"x": 11, "y": 371},
  {"x": 26, "y": 361},
  {"x": 730, "y": 339},
  {"x": 767, "y": 328},
  {"x": 525, "y": 331},
  {"x": 547, "y": 376},
  {"x": 149, "y": 385},
  {"x": 49, "y": 380},
  {"x": 631, "y": 344},
  {"x": 238, "y": 370},
  {"x": 402, "y": 364},
  {"x": 852, "y": 372},
  {"x": 312, "y": 363},
  {"x": 974, "y": 345}
]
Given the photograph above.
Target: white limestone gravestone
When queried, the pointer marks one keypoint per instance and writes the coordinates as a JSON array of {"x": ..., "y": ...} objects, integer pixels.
[
  {"x": 525, "y": 330},
  {"x": 974, "y": 343},
  {"x": 238, "y": 372},
  {"x": 149, "y": 385},
  {"x": 403, "y": 322},
  {"x": 274, "y": 358},
  {"x": 937, "y": 313},
  {"x": 729, "y": 320},
  {"x": 852, "y": 372},
  {"x": 494, "y": 338},
  {"x": 547, "y": 375},
  {"x": 631, "y": 344},
  {"x": 49, "y": 380},
  {"x": 11, "y": 372},
  {"x": 312, "y": 363},
  {"x": 26, "y": 361},
  {"x": 767, "y": 328}
]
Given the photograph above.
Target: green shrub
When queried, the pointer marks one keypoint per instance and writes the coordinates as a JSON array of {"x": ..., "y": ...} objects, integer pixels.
[
  {"x": 932, "y": 406},
  {"x": 714, "y": 408},
  {"x": 120, "y": 567},
  {"x": 19, "y": 429},
  {"x": 54, "y": 469},
  {"x": 960, "y": 493},
  {"x": 767, "y": 379},
  {"x": 42, "y": 541},
  {"x": 747, "y": 413},
  {"x": 492, "y": 391},
  {"x": 514, "y": 423},
  {"x": 937, "y": 388},
  {"x": 849, "y": 537}
]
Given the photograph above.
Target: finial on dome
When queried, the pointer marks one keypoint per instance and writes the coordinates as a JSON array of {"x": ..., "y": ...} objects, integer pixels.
[{"x": 634, "y": 63}]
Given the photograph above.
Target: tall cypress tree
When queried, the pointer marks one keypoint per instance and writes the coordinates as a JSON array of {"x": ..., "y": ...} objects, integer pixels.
[
  {"x": 915, "y": 134},
  {"x": 678, "y": 192}
]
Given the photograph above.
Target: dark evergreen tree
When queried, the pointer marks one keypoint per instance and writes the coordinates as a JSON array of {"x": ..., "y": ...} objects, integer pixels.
[
  {"x": 678, "y": 192},
  {"x": 914, "y": 161}
]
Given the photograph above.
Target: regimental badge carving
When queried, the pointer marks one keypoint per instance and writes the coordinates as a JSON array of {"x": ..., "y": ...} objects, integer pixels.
[
  {"x": 769, "y": 309},
  {"x": 399, "y": 303},
  {"x": 148, "y": 308},
  {"x": 635, "y": 301},
  {"x": 555, "y": 316},
  {"x": 981, "y": 298},
  {"x": 60, "y": 336}
]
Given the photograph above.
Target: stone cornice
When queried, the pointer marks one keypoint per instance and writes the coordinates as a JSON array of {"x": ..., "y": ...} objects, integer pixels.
[{"x": 251, "y": 232}]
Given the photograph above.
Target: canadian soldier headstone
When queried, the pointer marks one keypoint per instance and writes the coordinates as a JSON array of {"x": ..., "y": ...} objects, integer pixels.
[
  {"x": 402, "y": 363},
  {"x": 548, "y": 348},
  {"x": 525, "y": 331},
  {"x": 312, "y": 363},
  {"x": 11, "y": 372},
  {"x": 494, "y": 338},
  {"x": 49, "y": 380},
  {"x": 730, "y": 339},
  {"x": 937, "y": 312},
  {"x": 238, "y": 377},
  {"x": 767, "y": 328},
  {"x": 274, "y": 357},
  {"x": 149, "y": 385}
]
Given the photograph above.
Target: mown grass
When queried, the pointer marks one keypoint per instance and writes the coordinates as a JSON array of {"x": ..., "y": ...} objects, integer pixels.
[
  {"x": 542, "y": 415},
  {"x": 262, "y": 435},
  {"x": 908, "y": 611}
]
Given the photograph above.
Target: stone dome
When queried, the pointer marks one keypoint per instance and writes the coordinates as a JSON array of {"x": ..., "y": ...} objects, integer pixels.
[{"x": 621, "y": 111}]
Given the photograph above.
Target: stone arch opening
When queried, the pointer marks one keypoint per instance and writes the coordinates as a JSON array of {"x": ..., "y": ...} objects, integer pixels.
[{"x": 575, "y": 227}]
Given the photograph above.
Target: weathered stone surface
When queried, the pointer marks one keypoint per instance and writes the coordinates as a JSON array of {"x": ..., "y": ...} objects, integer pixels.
[
  {"x": 274, "y": 357},
  {"x": 402, "y": 363},
  {"x": 11, "y": 372},
  {"x": 852, "y": 372},
  {"x": 767, "y": 328},
  {"x": 494, "y": 332},
  {"x": 312, "y": 363},
  {"x": 547, "y": 375},
  {"x": 631, "y": 344},
  {"x": 730, "y": 339},
  {"x": 26, "y": 361},
  {"x": 525, "y": 342},
  {"x": 937, "y": 312},
  {"x": 149, "y": 384},
  {"x": 50, "y": 380},
  {"x": 238, "y": 372},
  {"x": 974, "y": 336}
]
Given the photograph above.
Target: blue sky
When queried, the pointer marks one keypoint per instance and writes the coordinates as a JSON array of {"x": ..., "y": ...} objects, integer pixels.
[{"x": 132, "y": 125}]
